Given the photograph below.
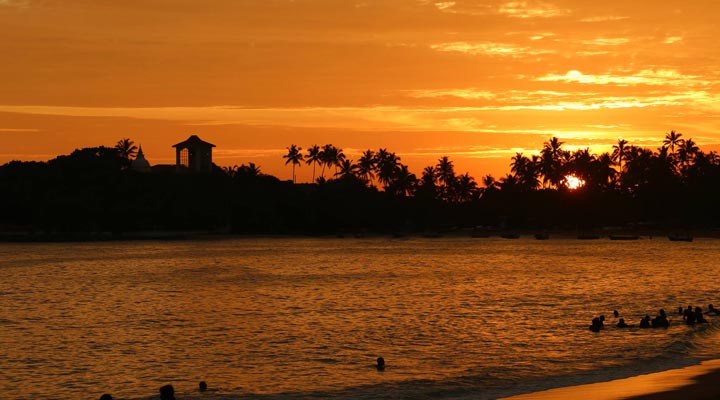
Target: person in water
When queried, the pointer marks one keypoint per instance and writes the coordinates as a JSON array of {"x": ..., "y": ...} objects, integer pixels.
[
  {"x": 616, "y": 313},
  {"x": 202, "y": 386},
  {"x": 106, "y": 396},
  {"x": 380, "y": 364},
  {"x": 596, "y": 324},
  {"x": 622, "y": 324},
  {"x": 699, "y": 318},
  {"x": 167, "y": 392},
  {"x": 712, "y": 310},
  {"x": 680, "y": 310},
  {"x": 645, "y": 322},
  {"x": 661, "y": 320},
  {"x": 688, "y": 313}
]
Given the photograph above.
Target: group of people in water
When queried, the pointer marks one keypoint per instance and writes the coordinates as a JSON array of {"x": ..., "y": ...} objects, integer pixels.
[
  {"x": 167, "y": 392},
  {"x": 690, "y": 316}
]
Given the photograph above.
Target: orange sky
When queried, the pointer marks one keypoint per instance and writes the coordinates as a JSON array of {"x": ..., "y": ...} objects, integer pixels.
[{"x": 474, "y": 80}]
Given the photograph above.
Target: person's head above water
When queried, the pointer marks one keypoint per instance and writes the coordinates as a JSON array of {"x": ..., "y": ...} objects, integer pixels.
[
  {"x": 616, "y": 313},
  {"x": 167, "y": 392},
  {"x": 380, "y": 364},
  {"x": 106, "y": 396},
  {"x": 202, "y": 386}
]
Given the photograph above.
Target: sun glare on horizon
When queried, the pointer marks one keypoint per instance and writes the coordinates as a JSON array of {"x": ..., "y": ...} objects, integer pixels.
[{"x": 572, "y": 182}]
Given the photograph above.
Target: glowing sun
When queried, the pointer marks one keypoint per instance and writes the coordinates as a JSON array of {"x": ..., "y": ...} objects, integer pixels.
[{"x": 573, "y": 182}]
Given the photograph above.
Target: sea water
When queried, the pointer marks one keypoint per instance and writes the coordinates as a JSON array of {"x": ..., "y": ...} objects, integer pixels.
[{"x": 306, "y": 318}]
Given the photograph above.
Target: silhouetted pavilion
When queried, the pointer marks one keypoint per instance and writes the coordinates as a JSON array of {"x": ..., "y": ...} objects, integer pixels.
[{"x": 194, "y": 154}]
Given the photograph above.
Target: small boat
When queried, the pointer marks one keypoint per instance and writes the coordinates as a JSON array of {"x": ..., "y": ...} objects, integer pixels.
[
  {"x": 542, "y": 236},
  {"x": 478, "y": 233},
  {"x": 588, "y": 236},
  {"x": 680, "y": 238},
  {"x": 510, "y": 236},
  {"x": 624, "y": 237}
]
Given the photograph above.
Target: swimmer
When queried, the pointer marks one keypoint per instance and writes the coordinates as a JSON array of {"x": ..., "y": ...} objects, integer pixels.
[
  {"x": 167, "y": 392},
  {"x": 380, "y": 364},
  {"x": 622, "y": 324}
]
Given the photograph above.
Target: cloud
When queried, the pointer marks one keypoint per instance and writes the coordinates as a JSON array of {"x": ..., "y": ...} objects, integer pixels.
[
  {"x": 606, "y": 41},
  {"x": 672, "y": 39},
  {"x": 604, "y": 18},
  {"x": 531, "y": 9},
  {"x": 470, "y": 93},
  {"x": 489, "y": 49},
  {"x": 660, "y": 77}
]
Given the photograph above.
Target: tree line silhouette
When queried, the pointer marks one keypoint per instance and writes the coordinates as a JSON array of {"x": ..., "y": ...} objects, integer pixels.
[{"x": 95, "y": 190}]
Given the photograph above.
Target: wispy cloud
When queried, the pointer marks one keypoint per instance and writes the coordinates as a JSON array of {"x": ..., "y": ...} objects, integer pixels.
[
  {"x": 604, "y": 18},
  {"x": 490, "y": 49},
  {"x": 672, "y": 39},
  {"x": 532, "y": 9},
  {"x": 606, "y": 41},
  {"x": 469, "y": 93},
  {"x": 653, "y": 77}
]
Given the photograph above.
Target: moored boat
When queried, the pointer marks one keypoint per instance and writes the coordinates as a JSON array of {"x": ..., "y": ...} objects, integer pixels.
[
  {"x": 680, "y": 238},
  {"x": 624, "y": 237}
]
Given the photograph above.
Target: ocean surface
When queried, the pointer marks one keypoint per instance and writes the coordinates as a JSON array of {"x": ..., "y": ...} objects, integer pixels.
[{"x": 478, "y": 318}]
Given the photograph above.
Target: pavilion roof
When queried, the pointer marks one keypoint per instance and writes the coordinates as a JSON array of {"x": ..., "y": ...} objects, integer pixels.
[{"x": 194, "y": 141}]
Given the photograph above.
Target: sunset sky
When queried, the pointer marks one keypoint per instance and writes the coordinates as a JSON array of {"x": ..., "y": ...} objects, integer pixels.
[{"x": 474, "y": 80}]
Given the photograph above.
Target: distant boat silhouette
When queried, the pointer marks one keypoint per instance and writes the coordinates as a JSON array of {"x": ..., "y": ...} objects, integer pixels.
[
  {"x": 680, "y": 238},
  {"x": 588, "y": 236},
  {"x": 432, "y": 235},
  {"x": 542, "y": 236},
  {"x": 624, "y": 237},
  {"x": 479, "y": 234},
  {"x": 510, "y": 236}
]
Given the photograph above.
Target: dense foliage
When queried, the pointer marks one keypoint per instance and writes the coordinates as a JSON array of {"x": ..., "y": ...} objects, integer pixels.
[{"x": 94, "y": 190}]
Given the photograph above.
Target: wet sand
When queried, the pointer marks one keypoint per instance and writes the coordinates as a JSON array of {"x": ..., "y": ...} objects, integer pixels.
[{"x": 697, "y": 382}]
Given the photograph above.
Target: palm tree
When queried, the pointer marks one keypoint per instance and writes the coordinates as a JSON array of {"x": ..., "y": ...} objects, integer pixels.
[
  {"x": 313, "y": 157},
  {"x": 366, "y": 166},
  {"x": 446, "y": 175},
  {"x": 467, "y": 189},
  {"x": 403, "y": 182},
  {"x": 525, "y": 171},
  {"x": 331, "y": 156},
  {"x": 386, "y": 164},
  {"x": 293, "y": 156},
  {"x": 551, "y": 161},
  {"x": 126, "y": 149},
  {"x": 347, "y": 169},
  {"x": 672, "y": 139},
  {"x": 620, "y": 152}
]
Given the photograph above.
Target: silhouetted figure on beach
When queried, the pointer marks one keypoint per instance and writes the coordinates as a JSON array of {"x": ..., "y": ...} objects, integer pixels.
[
  {"x": 712, "y": 310},
  {"x": 380, "y": 364},
  {"x": 699, "y": 318},
  {"x": 202, "y": 386},
  {"x": 167, "y": 392},
  {"x": 616, "y": 313},
  {"x": 645, "y": 322},
  {"x": 622, "y": 324},
  {"x": 661, "y": 320},
  {"x": 596, "y": 325},
  {"x": 106, "y": 396}
]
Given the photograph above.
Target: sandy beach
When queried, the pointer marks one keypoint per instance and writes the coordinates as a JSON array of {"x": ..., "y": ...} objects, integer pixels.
[{"x": 697, "y": 382}]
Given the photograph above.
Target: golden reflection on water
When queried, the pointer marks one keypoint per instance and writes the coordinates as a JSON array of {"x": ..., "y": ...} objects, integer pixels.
[{"x": 301, "y": 315}]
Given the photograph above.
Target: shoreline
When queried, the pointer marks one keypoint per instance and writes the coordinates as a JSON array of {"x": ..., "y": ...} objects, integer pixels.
[
  {"x": 697, "y": 382},
  {"x": 464, "y": 233}
]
